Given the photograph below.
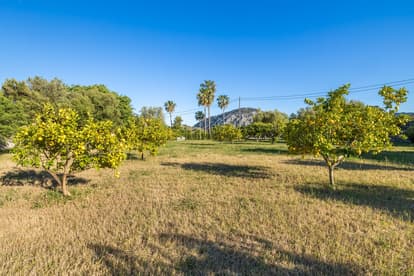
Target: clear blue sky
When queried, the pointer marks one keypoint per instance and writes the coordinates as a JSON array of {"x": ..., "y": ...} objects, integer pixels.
[{"x": 154, "y": 51}]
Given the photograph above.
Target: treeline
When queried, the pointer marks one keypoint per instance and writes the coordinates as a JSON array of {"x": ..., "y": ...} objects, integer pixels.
[
  {"x": 20, "y": 101},
  {"x": 267, "y": 125}
]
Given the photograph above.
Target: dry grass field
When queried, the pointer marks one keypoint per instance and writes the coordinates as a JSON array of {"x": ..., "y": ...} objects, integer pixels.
[{"x": 207, "y": 208}]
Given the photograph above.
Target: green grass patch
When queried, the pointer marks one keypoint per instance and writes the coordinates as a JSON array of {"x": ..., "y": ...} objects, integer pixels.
[{"x": 52, "y": 197}]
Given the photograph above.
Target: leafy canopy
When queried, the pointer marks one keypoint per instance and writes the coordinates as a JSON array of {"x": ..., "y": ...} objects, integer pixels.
[
  {"x": 334, "y": 128},
  {"x": 59, "y": 143},
  {"x": 258, "y": 130},
  {"x": 277, "y": 119},
  {"x": 146, "y": 134},
  {"x": 228, "y": 133}
]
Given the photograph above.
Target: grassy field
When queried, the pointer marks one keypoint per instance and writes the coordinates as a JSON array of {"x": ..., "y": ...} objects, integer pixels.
[{"x": 207, "y": 208}]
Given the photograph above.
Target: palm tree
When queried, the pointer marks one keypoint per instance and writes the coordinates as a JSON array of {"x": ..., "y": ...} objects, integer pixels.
[
  {"x": 223, "y": 101},
  {"x": 202, "y": 101},
  {"x": 170, "y": 107},
  {"x": 207, "y": 90},
  {"x": 199, "y": 116}
]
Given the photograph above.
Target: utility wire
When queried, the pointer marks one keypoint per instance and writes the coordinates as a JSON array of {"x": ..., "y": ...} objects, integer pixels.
[{"x": 357, "y": 90}]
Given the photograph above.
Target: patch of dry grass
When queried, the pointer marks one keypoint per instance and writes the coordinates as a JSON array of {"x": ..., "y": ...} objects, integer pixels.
[{"x": 206, "y": 208}]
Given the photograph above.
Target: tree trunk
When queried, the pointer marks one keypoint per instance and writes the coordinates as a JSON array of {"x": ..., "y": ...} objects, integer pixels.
[
  {"x": 62, "y": 182},
  {"x": 64, "y": 186},
  {"x": 56, "y": 178},
  {"x": 209, "y": 124},
  {"x": 331, "y": 176},
  {"x": 223, "y": 117},
  {"x": 331, "y": 166},
  {"x": 66, "y": 170},
  {"x": 205, "y": 123},
  {"x": 170, "y": 121}
]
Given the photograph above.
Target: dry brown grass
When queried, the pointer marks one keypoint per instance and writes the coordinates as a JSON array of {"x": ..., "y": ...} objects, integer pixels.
[{"x": 196, "y": 210}]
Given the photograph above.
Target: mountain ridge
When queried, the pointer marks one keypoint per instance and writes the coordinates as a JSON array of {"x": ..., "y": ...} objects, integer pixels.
[{"x": 237, "y": 117}]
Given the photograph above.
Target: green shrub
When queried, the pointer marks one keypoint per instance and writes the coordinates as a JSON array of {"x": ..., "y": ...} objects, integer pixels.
[
  {"x": 226, "y": 133},
  {"x": 410, "y": 133}
]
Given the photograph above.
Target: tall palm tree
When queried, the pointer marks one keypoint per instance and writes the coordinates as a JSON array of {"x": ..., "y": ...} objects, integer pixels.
[
  {"x": 199, "y": 116},
  {"x": 170, "y": 107},
  {"x": 208, "y": 89},
  {"x": 202, "y": 101},
  {"x": 223, "y": 101}
]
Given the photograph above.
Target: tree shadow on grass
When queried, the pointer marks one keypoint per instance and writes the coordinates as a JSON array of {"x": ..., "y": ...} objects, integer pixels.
[
  {"x": 396, "y": 157},
  {"x": 242, "y": 171},
  {"x": 120, "y": 262},
  {"x": 348, "y": 165},
  {"x": 226, "y": 259},
  {"x": 265, "y": 150},
  {"x": 202, "y": 144},
  {"x": 204, "y": 257},
  {"x": 136, "y": 156},
  {"x": 35, "y": 178},
  {"x": 397, "y": 202}
]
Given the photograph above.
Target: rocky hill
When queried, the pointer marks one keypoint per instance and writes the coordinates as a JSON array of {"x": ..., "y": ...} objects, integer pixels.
[{"x": 237, "y": 117}]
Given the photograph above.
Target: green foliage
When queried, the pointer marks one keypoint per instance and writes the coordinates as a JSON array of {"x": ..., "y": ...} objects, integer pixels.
[
  {"x": 199, "y": 116},
  {"x": 410, "y": 133},
  {"x": 177, "y": 128},
  {"x": 59, "y": 143},
  {"x": 12, "y": 116},
  {"x": 151, "y": 112},
  {"x": 20, "y": 94},
  {"x": 334, "y": 128},
  {"x": 259, "y": 130},
  {"x": 100, "y": 103},
  {"x": 169, "y": 108},
  {"x": 146, "y": 134},
  {"x": 226, "y": 133},
  {"x": 222, "y": 102},
  {"x": 195, "y": 134},
  {"x": 277, "y": 119},
  {"x": 20, "y": 101},
  {"x": 55, "y": 91},
  {"x": 205, "y": 98},
  {"x": 177, "y": 123}
]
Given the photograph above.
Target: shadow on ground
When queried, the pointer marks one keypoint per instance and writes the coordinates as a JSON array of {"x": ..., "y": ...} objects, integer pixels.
[
  {"x": 397, "y": 202},
  {"x": 202, "y": 144},
  {"x": 35, "y": 178},
  {"x": 348, "y": 165},
  {"x": 265, "y": 150},
  {"x": 397, "y": 157},
  {"x": 242, "y": 171},
  {"x": 204, "y": 257},
  {"x": 120, "y": 262}
]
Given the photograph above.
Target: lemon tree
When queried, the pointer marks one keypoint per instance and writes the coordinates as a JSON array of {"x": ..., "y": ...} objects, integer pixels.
[
  {"x": 228, "y": 133},
  {"x": 335, "y": 128},
  {"x": 59, "y": 143},
  {"x": 146, "y": 134}
]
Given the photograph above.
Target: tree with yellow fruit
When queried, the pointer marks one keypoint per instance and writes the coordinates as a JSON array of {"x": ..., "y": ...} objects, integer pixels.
[
  {"x": 146, "y": 134},
  {"x": 335, "y": 128},
  {"x": 58, "y": 142}
]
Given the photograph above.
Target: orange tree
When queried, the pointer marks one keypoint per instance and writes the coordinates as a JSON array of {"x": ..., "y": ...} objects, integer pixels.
[
  {"x": 335, "y": 128},
  {"x": 58, "y": 142},
  {"x": 228, "y": 133},
  {"x": 146, "y": 134}
]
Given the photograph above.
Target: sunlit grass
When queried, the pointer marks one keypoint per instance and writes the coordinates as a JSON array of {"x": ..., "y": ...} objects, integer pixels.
[{"x": 206, "y": 207}]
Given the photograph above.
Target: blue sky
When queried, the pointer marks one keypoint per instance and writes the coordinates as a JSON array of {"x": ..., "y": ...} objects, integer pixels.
[{"x": 154, "y": 51}]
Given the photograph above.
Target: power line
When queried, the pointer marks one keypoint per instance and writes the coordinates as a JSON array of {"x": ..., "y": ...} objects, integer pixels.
[{"x": 357, "y": 90}]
